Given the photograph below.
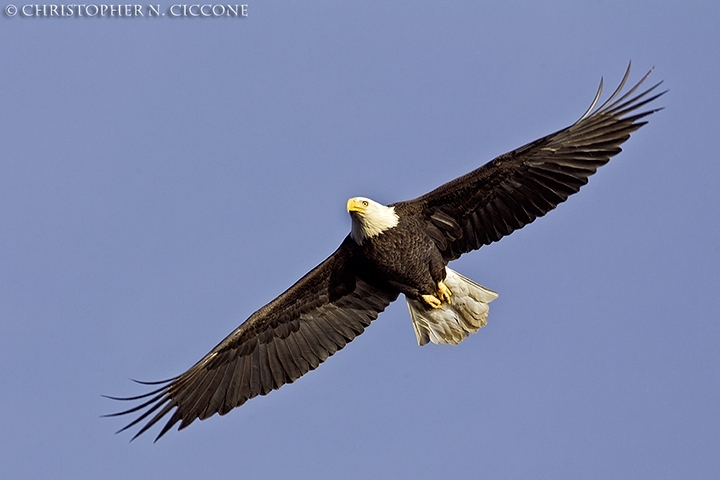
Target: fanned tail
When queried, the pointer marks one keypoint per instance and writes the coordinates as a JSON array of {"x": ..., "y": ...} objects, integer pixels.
[{"x": 451, "y": 324}]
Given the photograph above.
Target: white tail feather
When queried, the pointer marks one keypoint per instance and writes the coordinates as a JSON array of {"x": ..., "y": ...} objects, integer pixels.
[{"x": 467, "y": 312}]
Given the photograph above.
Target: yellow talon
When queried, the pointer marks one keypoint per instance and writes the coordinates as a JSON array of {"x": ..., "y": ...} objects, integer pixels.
[
  {"x": 444, "y": 292},
  {"x": 432, "y": 300}
]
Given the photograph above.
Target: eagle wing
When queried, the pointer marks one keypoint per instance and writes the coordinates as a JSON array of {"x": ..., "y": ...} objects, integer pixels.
[
  {"x": 282, "y": 341},
  {"x": 515, "y": 188}
]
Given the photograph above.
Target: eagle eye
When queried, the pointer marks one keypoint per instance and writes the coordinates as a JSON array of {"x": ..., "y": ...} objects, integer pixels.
[{"x": 365, "y": 203}]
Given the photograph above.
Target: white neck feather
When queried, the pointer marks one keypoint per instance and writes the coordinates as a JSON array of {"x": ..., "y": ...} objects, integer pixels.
[{"x": 376, "y": 219}]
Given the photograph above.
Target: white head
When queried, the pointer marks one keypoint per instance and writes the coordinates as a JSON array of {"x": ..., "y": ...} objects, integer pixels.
[{"x": 369, "y": 218}]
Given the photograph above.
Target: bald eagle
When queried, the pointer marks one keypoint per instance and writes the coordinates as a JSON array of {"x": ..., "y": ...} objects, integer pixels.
[{"x": 400, "y": 248}]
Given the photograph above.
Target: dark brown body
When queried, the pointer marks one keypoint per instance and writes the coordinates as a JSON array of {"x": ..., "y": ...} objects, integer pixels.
[{"x": 405, "y": 258}]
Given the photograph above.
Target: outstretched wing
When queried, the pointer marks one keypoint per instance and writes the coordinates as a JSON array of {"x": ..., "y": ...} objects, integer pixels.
[
  {"x": 515, "y": 188},
  {"x": 282, "y": 341}
]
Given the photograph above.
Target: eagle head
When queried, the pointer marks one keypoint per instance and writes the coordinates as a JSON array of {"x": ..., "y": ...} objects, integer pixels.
[{"x": 369, "y": 218}]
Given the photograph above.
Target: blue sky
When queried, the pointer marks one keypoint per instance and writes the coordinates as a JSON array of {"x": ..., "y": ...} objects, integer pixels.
[{"x": 161, "y": 179}]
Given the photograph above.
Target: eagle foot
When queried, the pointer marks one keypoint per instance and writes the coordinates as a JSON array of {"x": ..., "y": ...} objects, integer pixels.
[
  {"x": 432, "y": 300},
  {"x": 444, "y": 292}
]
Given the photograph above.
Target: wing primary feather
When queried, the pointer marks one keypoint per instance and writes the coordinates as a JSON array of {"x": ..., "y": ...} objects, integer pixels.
[
  {"x": 611, "y": 107},
  {"x": 207, "y": 404},
  {"x": 162, "y": 401},
  {"x": 215, "y": 393},
  {"x": 156, "y": 398},
  {"x": 593, "y": 103},
  {"x": 621, "y": 86},
  {"x": 559, "y": 182},
  {"x": 137, "y": 397},
  {"x": 190, "y": 400},
  {"x": 174, "y": 418},
  {"x": 643, "y": 114},
  {"x": 156, "y": 382},
  {"x": 536, "y": 179}
]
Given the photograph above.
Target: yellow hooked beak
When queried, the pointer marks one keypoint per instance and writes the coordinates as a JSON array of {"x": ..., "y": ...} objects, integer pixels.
[{"x": 356, "y": 205}]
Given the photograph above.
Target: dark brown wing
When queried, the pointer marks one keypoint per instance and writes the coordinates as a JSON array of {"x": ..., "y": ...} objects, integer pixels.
[
  {"x": 285, "y": 339},
  {"x": 515, "y": 188}
]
